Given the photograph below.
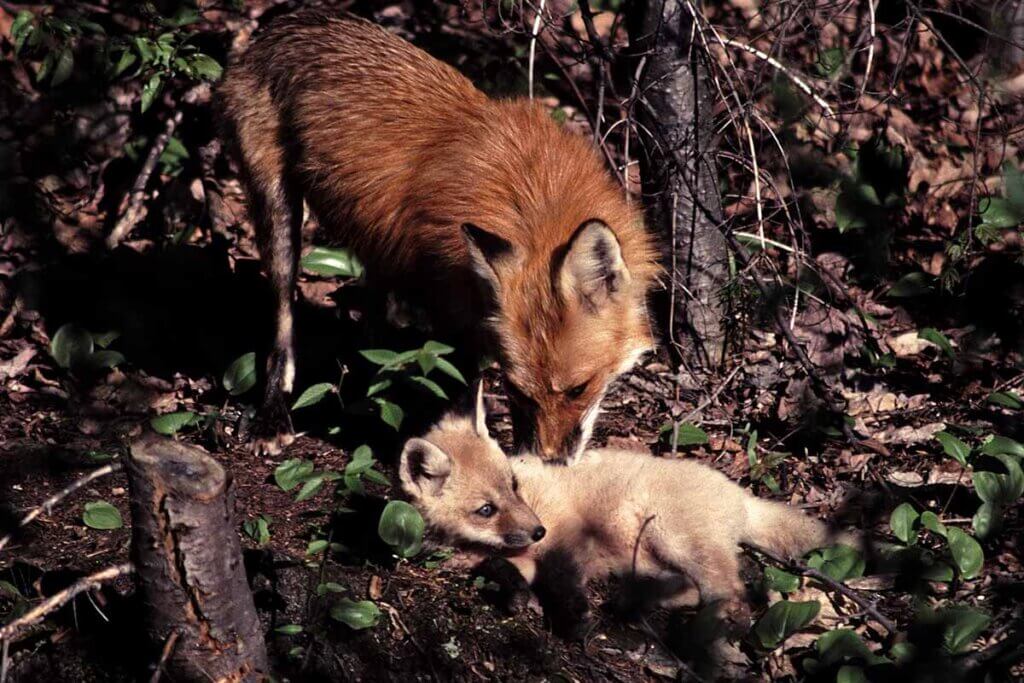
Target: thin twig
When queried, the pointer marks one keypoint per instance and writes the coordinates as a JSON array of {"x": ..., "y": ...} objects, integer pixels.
[
  {"x": 797, "y": 80},
  {"x": 867, "y": 605},
  {"x": 61, "y": 598},
  {"x": 133, "y": 213},
  {"x": 47, "y": 505},
  {"x": 533, "y": 42},
  {"x": 165, "y": 655}
]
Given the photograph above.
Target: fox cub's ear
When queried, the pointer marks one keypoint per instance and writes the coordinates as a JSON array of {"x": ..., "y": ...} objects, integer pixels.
[
  {"x": 424, "y": 468},
  {"x": 479, "y": 415},
  {"x": 592, "y": 269}
]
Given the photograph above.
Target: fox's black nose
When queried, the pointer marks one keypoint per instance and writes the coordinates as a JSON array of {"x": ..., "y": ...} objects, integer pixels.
[{"x": 538, "y": 533}]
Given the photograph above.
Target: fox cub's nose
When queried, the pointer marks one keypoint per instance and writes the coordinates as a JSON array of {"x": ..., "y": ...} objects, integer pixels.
[{"x": 538, "y": 533}]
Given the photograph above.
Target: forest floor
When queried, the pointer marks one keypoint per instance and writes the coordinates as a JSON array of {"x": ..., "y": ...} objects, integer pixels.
[{"x": 927, "y": 376}]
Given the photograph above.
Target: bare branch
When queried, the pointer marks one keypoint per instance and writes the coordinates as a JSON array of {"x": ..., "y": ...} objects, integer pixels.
[{"x": 61, "y": 598}]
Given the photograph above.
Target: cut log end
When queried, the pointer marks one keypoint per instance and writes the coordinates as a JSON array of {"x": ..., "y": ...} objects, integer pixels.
[{"x": 179, "y": 468}]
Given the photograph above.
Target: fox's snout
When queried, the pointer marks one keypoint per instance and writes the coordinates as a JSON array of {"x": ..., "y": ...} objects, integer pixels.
[
  {"x": 522, "y": 539},
  {"x": 552, "y": 435}
]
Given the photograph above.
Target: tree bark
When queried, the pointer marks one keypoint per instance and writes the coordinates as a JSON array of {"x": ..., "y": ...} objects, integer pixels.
[
  {"x": 679, "y": 177},
  {"x": 189, "y": 562}
]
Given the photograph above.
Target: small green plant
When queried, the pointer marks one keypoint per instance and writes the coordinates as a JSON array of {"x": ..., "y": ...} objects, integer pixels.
[
  {"x": 783, "y": 619},
  {"x": 996, "y": 489},
  {"x": 53, "y": 39},
  {"x": 965, "y": 552},
  {"x": 240, "y": 376},
  {"x": 75, "y": 348},
  {"x": 401, "y": 527},
  {"x": 258, "y": 529},
  {"x": 761, "y": 467},
  {"x": 394, "y": 367}
]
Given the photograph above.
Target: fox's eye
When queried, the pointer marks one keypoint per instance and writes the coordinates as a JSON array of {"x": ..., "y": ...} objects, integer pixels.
[
  {"x": 577, "y": 390},
  {"x": 486, "y": 510}
]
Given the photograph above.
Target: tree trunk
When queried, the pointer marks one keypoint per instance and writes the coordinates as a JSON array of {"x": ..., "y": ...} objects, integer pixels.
[
  {"x": 189, "y": 561},
  {"x": 679, "y": 177}
]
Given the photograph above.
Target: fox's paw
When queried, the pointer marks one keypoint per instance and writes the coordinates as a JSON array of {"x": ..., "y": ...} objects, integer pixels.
[
  {"x": 503, "y": 585},
  {"x": 271, "y": 431}
]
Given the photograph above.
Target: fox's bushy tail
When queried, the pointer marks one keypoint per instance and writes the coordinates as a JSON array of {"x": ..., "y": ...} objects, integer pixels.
[{"x": 786, "y": 531}]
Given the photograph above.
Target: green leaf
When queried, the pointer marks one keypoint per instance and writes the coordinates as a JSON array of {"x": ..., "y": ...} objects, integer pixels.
[
  {"x": 963, "y": 626},
  {"x": 954, "y": 447},
  {"x": 124, "y": 62},
  {"x": 1002, "y": 445},
  {"x": 844, "y": 645},
  {"x": 310, "y": 487},
  {"x": 437, "y": 348},
  {"x": 240, "y": 376},
  {"x": 999, "y": 213},
  {"x": 987, "y": 519},
  {"x": 316, "y": 546},
  {"x": 1013, "y": 179},
  {"x": 851, "y": 674},
  {"x": 683, "y": 434},
  {"x": 332, "y": 262},
  {"x": 902, "y": 521},
  {"x": 841, "y": 562},
  {"x": 313, "y": 395},
  {"x": 258, "y": 530},
  {"x": 431, "y": 386},
  {"x": 935, "y": 337},
  {"x": 63, "y": 66},
  {"x": 782, "y": 620},
  {"x": 391, "y": 413},
  {"x": 966, "y": 552},
  {"x": 911, "y": 285},
  {"x": 102, "y": 515},
  {"x": 401, "y": 527},
  {"x": 71, "y": 345},
  {"x": 930, "y": 521},
  {"x": 21, "y": 27},
  {"x": 289, "y": 629},
  {"x": 170, "y": 424},
  {"x": 106, "y": 359},
  {"x": 105, "y": 339},
  {"x": 378, "y": 387},
  {"x": 204, "y": 67},
  {"x": 292, "y": 472},
  {"x": 450, "y": 370},
  {"x": 988, "y": 486},
  {"x": 778, "y": 580},
  {"x": 1007, "y": 399},
  {"x": 830, "y": 61},
  {"x": 427, "y": 362},
  {"x": 150, "y": 90},
  {"x": 356, "y": 615},
  {"x": 382, "y": 357}
]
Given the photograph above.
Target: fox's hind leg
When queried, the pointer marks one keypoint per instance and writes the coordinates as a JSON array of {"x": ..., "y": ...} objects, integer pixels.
[
  {"x": 276, "y": 208},
  {"x": 715, "y": 569},
  {"x": 560, "y": 587}
]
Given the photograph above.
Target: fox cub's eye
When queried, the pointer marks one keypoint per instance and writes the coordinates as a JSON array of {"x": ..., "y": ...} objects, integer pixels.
[
  {"x": 486, "y": 510},
  {"x": 577, "y": 390}
]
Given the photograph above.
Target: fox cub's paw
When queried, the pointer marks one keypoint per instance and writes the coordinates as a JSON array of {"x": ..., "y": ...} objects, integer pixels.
[
  {"x": 271, "y": 431},
  {"x": 503, "y": 585}
]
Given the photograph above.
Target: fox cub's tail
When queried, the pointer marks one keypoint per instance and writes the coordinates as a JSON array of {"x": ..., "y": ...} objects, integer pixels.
[{"x": 781, "y": 529}]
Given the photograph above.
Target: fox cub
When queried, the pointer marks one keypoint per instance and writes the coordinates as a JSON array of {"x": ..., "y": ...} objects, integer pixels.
[
  {"x": 671, "y": 525},
  {"x": 505, "y": 226}
]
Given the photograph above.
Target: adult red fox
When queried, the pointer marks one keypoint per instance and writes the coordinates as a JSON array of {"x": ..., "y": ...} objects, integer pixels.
[
  {"x": 671, "y": 524},
  {"x": 506, "y": 226}
]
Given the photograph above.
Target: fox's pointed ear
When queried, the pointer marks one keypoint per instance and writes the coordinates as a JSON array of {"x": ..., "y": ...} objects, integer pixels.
[
  {"x": 479, "y": 414},
  {"x": 591, "y": 269},
  {"x": 487, "y": 251},
  {"x": 424, "y": 468}
]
